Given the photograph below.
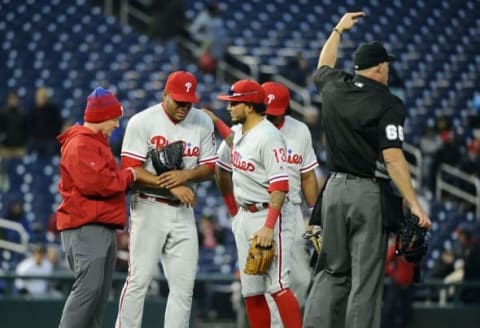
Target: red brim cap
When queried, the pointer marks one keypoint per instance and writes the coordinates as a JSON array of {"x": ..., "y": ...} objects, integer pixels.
[
  {"x": 245, "y": 90},
  {"x": 181, "y": 97}
]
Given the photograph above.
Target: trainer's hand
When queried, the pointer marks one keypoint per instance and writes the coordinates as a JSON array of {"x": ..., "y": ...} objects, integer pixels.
[
  {"x": 348, "y": 20},
  {"x": 146, "y": 177},
  {"x": 184, "y": 194}
]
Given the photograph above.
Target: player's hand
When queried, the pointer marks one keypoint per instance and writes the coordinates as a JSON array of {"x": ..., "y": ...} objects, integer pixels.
[
  {"x": 210, "y": 114},
  {"x": 173, "y": 178},
  {"x": 348, "y": 20},
  {"x": 264, "y": 236},
  {"x": 184, "y": 194}
]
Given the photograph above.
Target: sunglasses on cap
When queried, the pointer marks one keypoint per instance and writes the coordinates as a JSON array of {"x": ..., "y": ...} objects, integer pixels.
[{"x": 232, "y": 93}]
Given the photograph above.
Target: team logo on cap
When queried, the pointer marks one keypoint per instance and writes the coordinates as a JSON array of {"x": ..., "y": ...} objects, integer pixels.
[
  {"x": 271, "y": 97},
  {"x": 188, "y": 86}
]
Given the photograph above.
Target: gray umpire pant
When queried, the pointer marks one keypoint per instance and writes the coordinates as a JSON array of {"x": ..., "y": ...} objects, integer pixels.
[
  {"x": 91, "y": 252},
  {"x": 347, "y": 292}
]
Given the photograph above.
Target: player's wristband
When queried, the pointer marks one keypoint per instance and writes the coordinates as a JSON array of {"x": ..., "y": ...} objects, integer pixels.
[
  {"x": 229, "y": 200},
  {"x": 272, "y": 216},
  {"x": 131, "y": 169},
  {"x": 222, "y": 128}
]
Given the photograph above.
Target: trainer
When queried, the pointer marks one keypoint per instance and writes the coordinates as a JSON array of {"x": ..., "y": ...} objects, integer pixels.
[
  {"x": 363, "y": 124},
  {"x": 93, "y": 206}
]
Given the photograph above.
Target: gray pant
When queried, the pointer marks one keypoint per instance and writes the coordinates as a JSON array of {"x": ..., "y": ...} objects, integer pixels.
[
  {"x": 347, "y": 292},
  {"x": 91, "y": 253}
]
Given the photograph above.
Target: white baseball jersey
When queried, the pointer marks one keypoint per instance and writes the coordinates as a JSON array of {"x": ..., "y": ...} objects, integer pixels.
[
  {"x": 301, "y": 157},
  {"x": 257, "y": 159},
  {"x": 153, "y": 128}
]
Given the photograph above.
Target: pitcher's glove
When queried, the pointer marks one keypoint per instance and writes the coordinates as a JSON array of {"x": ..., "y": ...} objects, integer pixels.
[
  {"x": 412, "y": 240},
  {"x": 167, "y": 158},
  {"x": 314, "y": 235},
  {"x": 259, "y": 258}
]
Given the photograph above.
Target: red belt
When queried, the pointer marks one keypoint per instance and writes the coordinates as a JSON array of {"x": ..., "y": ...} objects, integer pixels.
[
  {"x": 255, "y": 207},
  {"x": 175, "y": 203}
]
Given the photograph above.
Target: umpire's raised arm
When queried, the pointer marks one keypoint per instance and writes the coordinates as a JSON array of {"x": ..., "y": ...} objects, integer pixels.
[{"x": 328, "y": 55}]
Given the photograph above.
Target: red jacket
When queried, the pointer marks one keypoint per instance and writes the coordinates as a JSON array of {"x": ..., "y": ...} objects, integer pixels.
[
  {"x": 91, "y": 184},
  {"x": 398, "y": 268}
]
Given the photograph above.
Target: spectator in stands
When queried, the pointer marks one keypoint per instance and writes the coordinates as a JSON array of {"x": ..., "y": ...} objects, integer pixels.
[
  {"x": 398, "y": 298},
  {"x": 209, "y": 233},
  {"x": 297, "y": 70},
  {"x": 44, "y": 124},
  {"x": 470, "y": 164},
  {"x": 36, "y": 264},
  {"x": 429, "y": 144},
  {"x": 449, "y": 153},
  {"x": 465, "y": 264},
  {"x": 444, "y": 265},
  {"x": 59, "y": 265},
  {"x": 15, "y": 212},
  {"x": 208, "y": 31},
  {"x": 13, "y": 128}
]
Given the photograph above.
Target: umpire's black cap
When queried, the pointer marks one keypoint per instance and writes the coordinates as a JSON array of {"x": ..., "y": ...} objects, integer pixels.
[{"x": 370, "y": 54}]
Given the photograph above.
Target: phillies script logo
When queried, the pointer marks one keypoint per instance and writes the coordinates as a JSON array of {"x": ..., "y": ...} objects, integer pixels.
[
  {"x": 189, "y": 150},
  {"x": 241, "y": 165},
  {"x": 294, "y": 158}
]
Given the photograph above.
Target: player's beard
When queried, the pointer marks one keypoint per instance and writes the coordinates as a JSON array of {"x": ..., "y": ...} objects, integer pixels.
[{"x": 236, "y": 119}]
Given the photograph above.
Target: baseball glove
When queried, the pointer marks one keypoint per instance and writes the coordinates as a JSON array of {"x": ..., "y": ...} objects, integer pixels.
[
  {"x": 167, "y": 158},
  {"x": 259, "y": 258},
  {"x": 314, "y": 235},
  {"x": 412, "y": 241}
]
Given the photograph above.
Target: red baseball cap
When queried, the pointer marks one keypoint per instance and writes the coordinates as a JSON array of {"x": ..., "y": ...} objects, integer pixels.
[
  {"x": 277, "y": 98},
  {"x": 182, "y": 86},
  {"x": 245, "y": 90}
]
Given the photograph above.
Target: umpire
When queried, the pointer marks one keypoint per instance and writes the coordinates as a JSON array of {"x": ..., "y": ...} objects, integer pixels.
[{"x": 363, "y": 124}]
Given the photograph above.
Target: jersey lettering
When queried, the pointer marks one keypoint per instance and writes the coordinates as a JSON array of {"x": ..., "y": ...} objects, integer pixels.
[
  {"x": 394, "y": 132},
  {"x": 159, "y": 141},
  {"x": 189, "y": 151},
  {"x": 280, "y": 155},
  {"x": 294, "y": 158},
  {"x": 240, "y": 164}
]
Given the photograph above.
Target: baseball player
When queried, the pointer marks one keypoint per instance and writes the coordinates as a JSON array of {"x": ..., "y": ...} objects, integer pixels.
[
  {"x": 162, "y": 223},
  {"x": 257, "y": 161},
  {"x": 301, "y": 163}
]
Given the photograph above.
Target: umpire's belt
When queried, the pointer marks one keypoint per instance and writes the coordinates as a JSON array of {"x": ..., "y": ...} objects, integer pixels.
[
  {"x": 175, "y": 203},
  {"x": 349, "y": 176},
  {"x": 255, "y": 207}
]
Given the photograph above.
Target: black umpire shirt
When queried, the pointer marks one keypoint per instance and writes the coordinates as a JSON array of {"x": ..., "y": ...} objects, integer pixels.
[{"x": 360, "y": 118}]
